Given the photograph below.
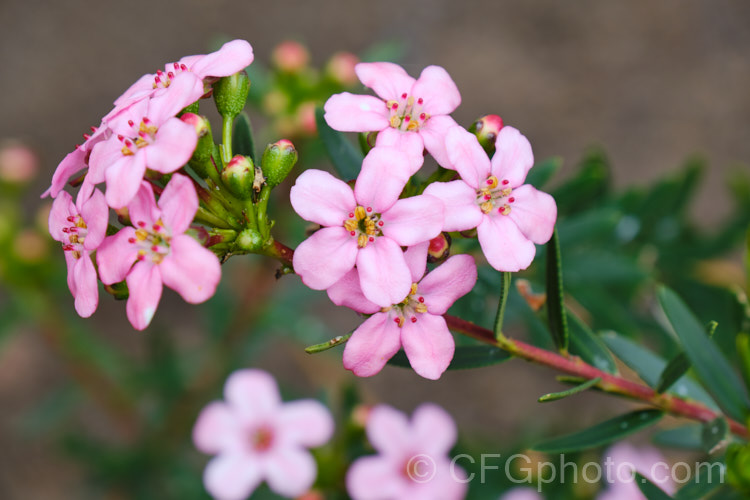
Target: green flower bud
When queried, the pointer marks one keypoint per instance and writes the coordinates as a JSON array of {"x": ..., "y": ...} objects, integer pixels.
[
  {"x": 486, "y": 129},
  {"x": 201, "y": 159},
  {"x": 238, "y": 176},
  {"x": 249, "y": 240},
  {"x": 278, "y": 160},
  {"x": 118, "y": 290},
  {"x": 230, "y": 94}
]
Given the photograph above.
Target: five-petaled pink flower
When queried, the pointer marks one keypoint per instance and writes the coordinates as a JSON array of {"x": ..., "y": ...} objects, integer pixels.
[
  {"x": 256, "y": 437},
  {"x": 80, "y": 227},
  {"x": 366, "y": 226},
  {"x": 413, "y": 458},
  {"x": 510, "y": 216},
  {"x": 410, "y": 114},
  {"x": 414, "y": 322},
  {"x": 162, "y": 252}
]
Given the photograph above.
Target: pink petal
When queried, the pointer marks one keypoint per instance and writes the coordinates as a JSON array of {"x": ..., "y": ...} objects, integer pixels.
[
  {"x": 104, "y": 155},
  {"x": 356, "y": 113},
  {"x": 319, "y": 197},
  {"x": 115, "y": 256},
  {"x": 124, "y": 178},
  {"x": 534, "y": 212},
  {"x": 142, "y": 208},
  {"x": 382, "y": 178},
  {"x": 178, "y": 203},
  {"x": 70, "y": 263},
  {"x": 414, "y": 220},
  {"x": 388, "y": 431},
  {"x": 216, "y": 429},
  {"x": 436, "y": 87},
  {"x": 87, "y": 289},
  {"x": 388, "y": 80},
  {"x": 73, "y": 163},
  {"x": 383, "y": 273},
  {"x": 347, "y": 292},
  {"x": 505, "y": 247},
  {"x": 513, "y": 157},
  {"x": 231, "y": 58},
  {"x": 373, "y": 478},
  {"x": 95, "y": 213},
  {"x": 461, "y": 209},
  {"x": 433, "y": 134},
  {"x": 172, "y": 147},
  {"x": 325, "y": 257},
  {"x": 62, "y": 208},
  {"x": 191, "y": 270},
  {"x": 410, "y": 143},
  {"x": 305, "y": 422},
  {"x": 416, "y": 260},
  {"x": 118, "y": 120},
  {"x": 433, "y": 427},
  {"x": 428, "y": 345},
  {"x": 372, "y": 345},
  {"x": 232, "y": 476},
  {"x": 449, "y": 482},
  {"x": 289, "y": 471},
  {"x": 142, "y": 88},
  {"x": 447, "y": 282},
  {"x": 144, "y": 283},
  {"x": 185, "y": 89},
  {"x": 252, "y": 393},
  {"x": 467, "y": 156}
]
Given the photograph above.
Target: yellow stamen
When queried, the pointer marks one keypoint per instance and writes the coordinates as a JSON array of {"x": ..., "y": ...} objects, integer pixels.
[
  {"x": 395, "y": 121},
  {"x": 505, "y": 209},
  {"x": 486, "y": 207},
  {"x": 420, "y": 308},
  {"x": 370, "y": 227},
  {"x": 506, "y": 191},
  {"x": 413, "y": 289},
  {"x": 413, "y": 125},
  {"x": 350, "y": 225},
  {"x": 126, "y": 151},
  {"x": 360, "y": 213},
  {"x": 141, "y": 234},
  {"x": 410, "y": 101},
  {"x": 140, "y": 142},
  {"x": 362, "y": 241},
  {"x": 400, "y": 321},
  {"x": 491, "y": 182}
]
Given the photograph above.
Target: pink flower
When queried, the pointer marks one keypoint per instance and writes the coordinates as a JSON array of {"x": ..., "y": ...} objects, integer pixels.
[
  {"x": 146, "y": 135},
  {"x": 510, "y": 216},
  {"x": 415, "y": 321},
  {"x": 80, "y": 227},
  {"x": 411, "y": 115},
  {"x": 620, "y": 462},
  {"x": 162, "y": 253},
  {"x": 413, "y": 458},
  {"x": 76, "y": 161},
  {"x": 366, "y": 227},
  {"x": 256, "y": 437}
]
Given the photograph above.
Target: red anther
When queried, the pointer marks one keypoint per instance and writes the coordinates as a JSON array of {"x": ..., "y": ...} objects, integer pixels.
[
  {"x": 487, "y": 197},
  {"x": 489, "y": 182},
  {"x": 511, "y": 199},
  {"x": 396, "y": 320},
  {"x": 154, "y": 248},
  {"x": 142, "y": 134},
  {"x": 183, "y": 67},
  {"x": 120, "y": 137},
  {"x": 86, "y": 136},
  {"x": 407, "y": 118},
  {"x": 369, "y": 209},
  {"x": 176, "y": 65},
  {"x": 422, "y": 116},
  {"x": 159, "y": 72},
  {"x": 131, "y": 123},
  {"x": 73, "y": 229},
  {"x": 506, "y": 182},
  {"x": 146, "y": 121},
  {"x": 141, "y": 224},
  {"x": 380, "y": 223},
  {"x": 71, "y": 218},
  {"x": 404, "y": 95},
  {"x": 394, "y": 106},
  {"x": 65, "y": 230},
  {"x": 93, "y": 129},
  {"x": 371, "y": 239},
  {"x": 141, "y": 257},
  {"x": 353, "y": 233},
  {"x": 351, "y": 214},
  {"x": 131, "y": 240},
  {"x": 67, "y": 248},
  {"x": 78, "y": 146},
  {"x": 420, "y": 100},
  {"x": 157, "y": 80},
  {"x": 170, "y": 75},
  {"x": 421, "y": 299},
  {"x": 413, "y": 319},
  {"x": 156, "y": 227}
]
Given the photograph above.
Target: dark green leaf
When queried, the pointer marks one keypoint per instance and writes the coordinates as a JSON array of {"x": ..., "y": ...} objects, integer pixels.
[
  {"x": 743, "y": 353},
  {"x": 543, "y": 171},
  {"x": 505, "y": 279},
  {"x": 243, "y": 142},
  {"x": 345, "y": 157},
  {"x": 649, "y": 489},
  {"x": 602, "y": 433},
  {"x": 587, "y": 188},
  {"x": 713, "y": 369},
  {"x": 586, "y": 344},
  {"x": 713, "y": 433},
  {"x": 554, "y": 396},
  {"x": 708, "y": 478},
  {"x": 558, "y": 323},
  {"x": 464, "y": 357},
  {"x": 675, "y": 369},
  {"x": 687, "y": 437}
]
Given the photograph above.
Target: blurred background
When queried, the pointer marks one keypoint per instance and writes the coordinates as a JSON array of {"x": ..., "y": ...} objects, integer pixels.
[{"x": 651, "y": 83}]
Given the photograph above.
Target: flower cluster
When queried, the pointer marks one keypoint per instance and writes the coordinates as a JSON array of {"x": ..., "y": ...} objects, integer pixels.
[
  {"x": 145, "y": 137},
  {"x": 371, "y": 251}
]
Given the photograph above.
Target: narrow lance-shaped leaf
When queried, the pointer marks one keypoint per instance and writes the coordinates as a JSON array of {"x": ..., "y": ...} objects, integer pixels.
[
  {"x": 712, "y": 367},
  {"x": 465, "y": 357},
  {"x": 688, "y": 437},
  {"x": 586, "y": 344},
  {"x": 679, "y": 365},
  {"x": 743, "y": 353},
  {"x": 558, "y": 323},
  {"x": 505, "y": 279},
  {"x": 347, "y": 160},
  {"x": 649, "y": 489},
  {"x": 324, "y": 346},
  {"x": 554, "y": 396},
  {"x": 243, "y": 142},
  {"x": 602, "y": 433},
  {"x": 710, "y": 477}
]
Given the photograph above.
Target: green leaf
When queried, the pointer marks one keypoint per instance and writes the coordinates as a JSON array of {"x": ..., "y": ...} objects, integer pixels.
[
  {"x": 688, "y": 437},
  {"x": 649, "y": 489},
  {"x": 554, "y": 396},
  {"x": 602, "y": 433},
  {"x": 713, "y": 369},
  {"x": 714, "y": 433},
  {"x": 706, "y": 481},
  {"x": 243, "y": 142},
  {"x": 505, "y": 279},
  {"x": 743, "y": 353},
  {"x": 464, "y": 357},
  {"x": 586, "y": 344},
  {"x": 676, "y": 368},
  {"x": 558, "y": 323},
  {"x": 347, "y": 160},
  {"x": 543, "y": 171}
]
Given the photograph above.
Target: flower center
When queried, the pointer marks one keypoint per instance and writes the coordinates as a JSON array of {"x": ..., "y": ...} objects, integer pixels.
[
  {"x": 76, "y": 235},
  {"x": 406, "y": 113},
  {"x": 364, "y": 225},
  {"x": 163, "y": 79},
  {"x": 261, "y": 439},
  {"x": 142, "y": 136},
  {"x": 409, "y": 308},
  {"x": 495, "y": 194},
  {"x": 152, "y": 243}
]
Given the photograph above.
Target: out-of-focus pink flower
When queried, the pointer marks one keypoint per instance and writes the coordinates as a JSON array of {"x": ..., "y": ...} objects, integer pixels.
[
  {"x": 412, "y": 460},
  {"x": 290, "y": 56},
  {"x": 409, "y": 114},
  {"x": 341, "y": 68},
  {"x": 521, "y": 494},
  {"x": 256, "y": 437},
  {"x": 162, "y": 252},
  {"x": 622, "y": 460},
  {"x": 305, "y": 118},
  {"x": 510, "y": 216},
  {"x": 18, "y": 162},
  {"x": 146, "y": 135},
  {"x": 416, "y": 322},
  {"x": 80, "y": 227},
  {"x": 366, "y": 227}
]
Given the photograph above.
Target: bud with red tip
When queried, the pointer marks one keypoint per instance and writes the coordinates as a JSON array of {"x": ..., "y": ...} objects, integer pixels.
[
  {"x": 201, "y": 159},
  {"x": 238, "y": 176},
  {"x": 290, "y": 56},
  {"x": 486, "y": 129},
  {"x": 439, "y": 249},
  {"x": 18, "y": 163},
  {"x": 278, "y": 160},
  {"x": 341, "y": 68}
]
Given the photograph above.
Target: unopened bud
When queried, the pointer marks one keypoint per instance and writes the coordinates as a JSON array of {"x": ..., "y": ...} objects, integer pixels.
[
  {"x": 439, "y": 249},
  {"x": 278, "y": 160},
  {"x": 18, "y": 163},
  {"x": 361, "y": 414},
  {"x": 305, "y": 118},
  {"x": 367, "y": 141},
  {"x": 230, "y": 94},
  {"x": 249, "y": 240},
  {"x": 341, "y": 68},
  {"x": 486, "y": 129},
  {"x": 118, "y": 290},
  {"x": 290, "y": 56},
  {"x": 201, "y": 159},
  {"x": 238, "y": 176}
]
